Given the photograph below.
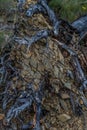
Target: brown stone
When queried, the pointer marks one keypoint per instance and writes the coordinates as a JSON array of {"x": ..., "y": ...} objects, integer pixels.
[
  {"x": 2, "y": 116},
  {"x": 81, "y": 102},
  {"x": 65, "y": 96},
  {"x": 53, "y": 128},
  {"x": 64, "y": 117},
  {"x": 56, "y": 71}
]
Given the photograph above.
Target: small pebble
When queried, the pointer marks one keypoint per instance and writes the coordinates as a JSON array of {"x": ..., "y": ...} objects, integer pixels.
[{"x": 64, "y": 117}]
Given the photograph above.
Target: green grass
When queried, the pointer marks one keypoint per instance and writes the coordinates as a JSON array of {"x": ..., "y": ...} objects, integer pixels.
[
  {"x": 6, "y": 4},
  {"x": 69, "y": 9}
]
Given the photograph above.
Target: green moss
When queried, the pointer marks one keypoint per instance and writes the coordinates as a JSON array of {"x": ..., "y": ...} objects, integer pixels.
[{"x": 69, "y": 9}]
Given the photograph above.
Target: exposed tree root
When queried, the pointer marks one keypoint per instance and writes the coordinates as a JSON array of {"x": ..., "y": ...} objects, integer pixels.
[{"x": 24, "y": 99}]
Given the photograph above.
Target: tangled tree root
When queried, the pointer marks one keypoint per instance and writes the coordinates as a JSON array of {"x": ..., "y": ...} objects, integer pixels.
[{"x": 33, "y": 66}]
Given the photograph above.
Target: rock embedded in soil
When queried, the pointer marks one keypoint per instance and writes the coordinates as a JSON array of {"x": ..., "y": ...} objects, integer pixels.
[
  {"x": 65, "y": 96},
  {"x": 68, "y": 85},
  {"x": 64, "y": 117},
  {"x": 64, "y": 105},
  {"x": 2, "y": 116},
  {"x": 53, "y": 128}
]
